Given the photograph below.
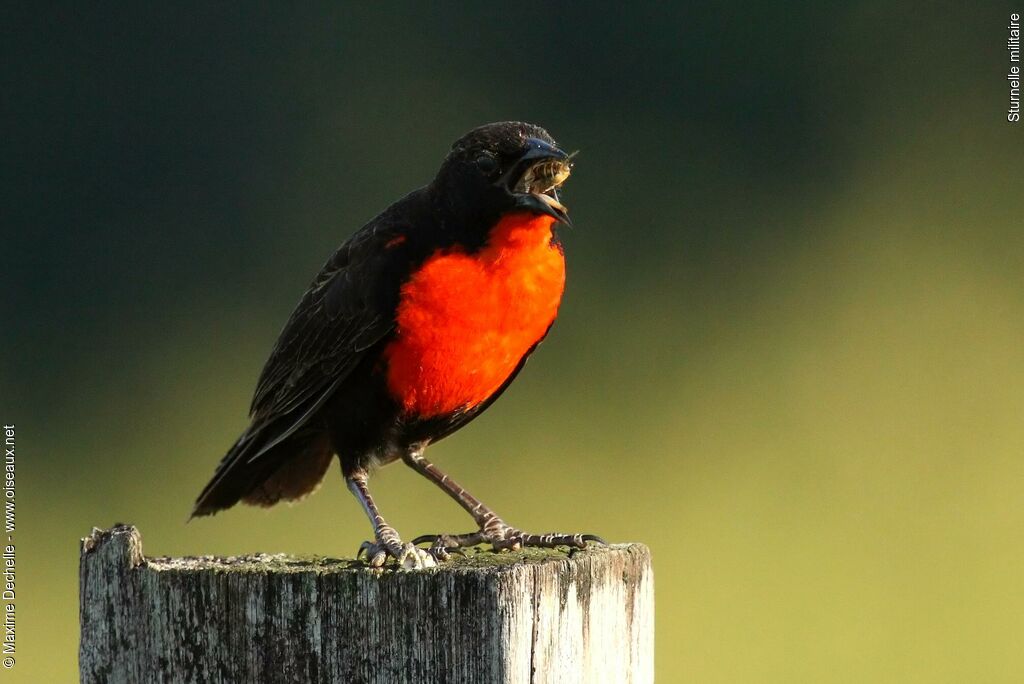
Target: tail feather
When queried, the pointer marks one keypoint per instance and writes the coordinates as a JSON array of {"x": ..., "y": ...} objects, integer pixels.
[
  {"x": 289, "y": 469},
  {"x": 297, "y": 476},
  {"x": 280, "y": 456}
]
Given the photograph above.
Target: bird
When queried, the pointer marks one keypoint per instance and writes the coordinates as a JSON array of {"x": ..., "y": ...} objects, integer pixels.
[{"x": 413, "y": 327}]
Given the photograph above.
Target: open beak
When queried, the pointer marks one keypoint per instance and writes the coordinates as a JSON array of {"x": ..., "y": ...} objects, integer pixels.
[{"x": 534, "y": 179}]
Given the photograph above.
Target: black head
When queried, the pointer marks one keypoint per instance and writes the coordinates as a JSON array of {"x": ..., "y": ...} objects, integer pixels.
[{"x": 502, "y": 167}]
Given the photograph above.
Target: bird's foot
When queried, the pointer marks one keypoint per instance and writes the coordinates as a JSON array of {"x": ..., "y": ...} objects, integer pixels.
[
  {"x": 389, "y": 544},
  {"x": 501, "y": 536}
]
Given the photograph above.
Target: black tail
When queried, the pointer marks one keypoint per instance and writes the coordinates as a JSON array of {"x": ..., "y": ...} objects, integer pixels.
[
  {"x": 280, "y": 457},
  {"x": 263, "y": 471},
  {"x": 232, "y": 480}
]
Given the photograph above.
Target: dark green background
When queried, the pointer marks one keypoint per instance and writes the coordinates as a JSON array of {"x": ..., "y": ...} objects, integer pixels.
[{"x": 789, "y": 357}]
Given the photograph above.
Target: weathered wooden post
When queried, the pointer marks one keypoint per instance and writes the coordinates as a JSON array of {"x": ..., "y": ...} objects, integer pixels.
[{"x": 534, "y": 616}]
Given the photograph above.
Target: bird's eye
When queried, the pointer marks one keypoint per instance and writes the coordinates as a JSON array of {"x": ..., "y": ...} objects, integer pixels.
[{"x": 486, "y": 163}]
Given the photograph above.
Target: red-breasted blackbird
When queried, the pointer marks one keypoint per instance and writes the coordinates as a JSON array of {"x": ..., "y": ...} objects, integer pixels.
[{"x": 411, "y": 329}]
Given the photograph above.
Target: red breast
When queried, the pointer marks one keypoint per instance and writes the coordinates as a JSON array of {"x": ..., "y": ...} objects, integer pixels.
[{"x": 464, "y": 321}]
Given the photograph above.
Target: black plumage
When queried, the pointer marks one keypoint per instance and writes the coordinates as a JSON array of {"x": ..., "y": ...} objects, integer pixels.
[{"x": 323, "y": 391}]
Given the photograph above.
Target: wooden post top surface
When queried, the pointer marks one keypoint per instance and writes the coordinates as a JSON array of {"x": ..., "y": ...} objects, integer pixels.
[
  {"x": 125, "y": 542},
  {"x": 526, "y": 616}
]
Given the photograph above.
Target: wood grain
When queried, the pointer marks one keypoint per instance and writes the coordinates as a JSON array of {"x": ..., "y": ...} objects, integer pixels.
[{"x": 534, "y": 616}]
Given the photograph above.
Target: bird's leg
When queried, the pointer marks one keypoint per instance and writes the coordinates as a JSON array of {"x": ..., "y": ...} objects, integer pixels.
[
  {"x": 387, "y": 542},
  {"x": 492, "y": 528}
]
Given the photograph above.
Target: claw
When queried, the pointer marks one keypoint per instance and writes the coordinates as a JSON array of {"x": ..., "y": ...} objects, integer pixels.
[
  {"x": 502, "y": 537},
  {"x": 424, "y": 538},
  {"x": 365, "y": 549},
  {"x": 408, "y": 556},
  {"x": 510, "y": 544},
  {"x": 375, "y": 555},
  {"x": 442, "y": 546},
  {"x": 414, "y": 558}
]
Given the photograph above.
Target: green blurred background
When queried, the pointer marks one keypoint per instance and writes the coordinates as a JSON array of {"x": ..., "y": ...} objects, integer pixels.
[{"x": 789, "y": 357}]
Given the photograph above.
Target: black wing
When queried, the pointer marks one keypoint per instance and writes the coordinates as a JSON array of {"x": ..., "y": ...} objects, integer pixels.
[
  {"x": 343, "y": 313},
  {"x": 348, "y": 308}
]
